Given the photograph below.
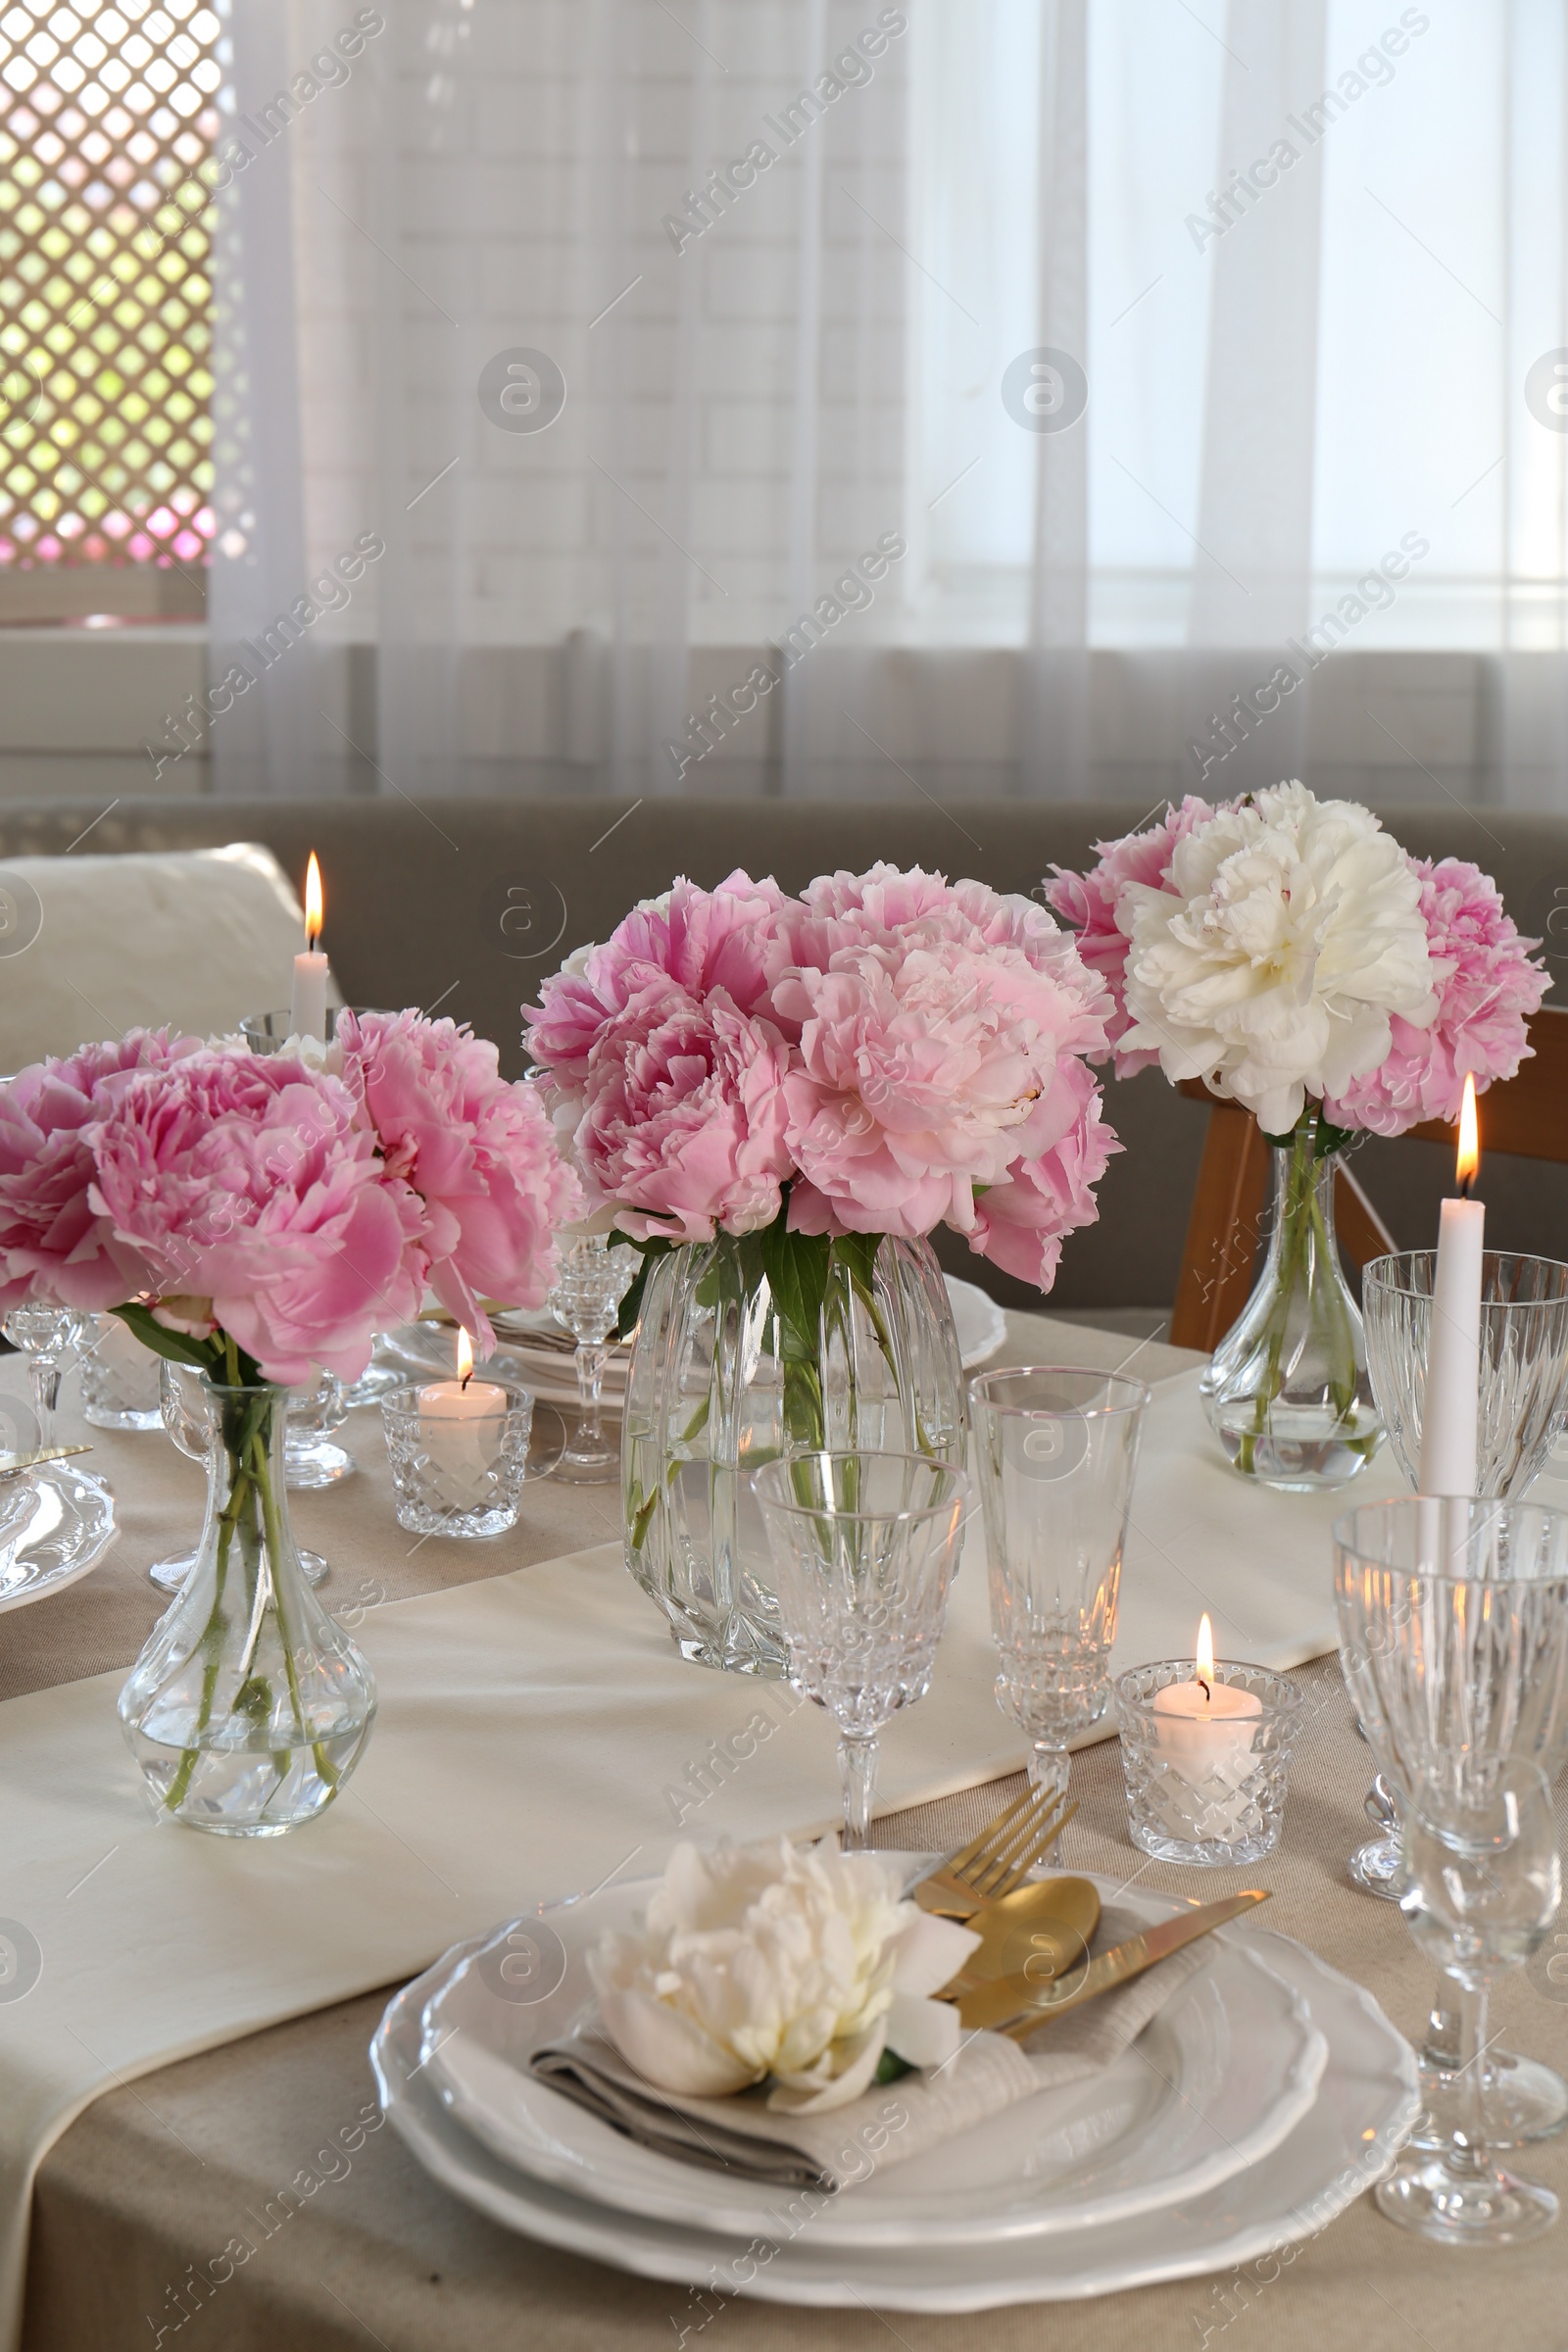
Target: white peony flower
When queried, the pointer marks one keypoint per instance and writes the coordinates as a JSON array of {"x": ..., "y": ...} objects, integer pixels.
[
  {"x": 766, "y": 1960},
  {"x": 1290, "y": 930}
]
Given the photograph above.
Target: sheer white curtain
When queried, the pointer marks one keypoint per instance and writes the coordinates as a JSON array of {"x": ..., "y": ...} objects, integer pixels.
[{"x": 1029, "y": 395}]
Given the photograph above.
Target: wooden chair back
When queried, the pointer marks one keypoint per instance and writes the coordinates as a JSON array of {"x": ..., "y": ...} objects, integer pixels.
[{"x": 1526, "y": 1114}]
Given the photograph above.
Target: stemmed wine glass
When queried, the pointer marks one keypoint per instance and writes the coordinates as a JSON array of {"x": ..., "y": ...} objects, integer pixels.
[
  {"x": 1453, "y": 1640},
  {"x": 864, "y": 1547},
  {"x": 1057, "y": 1449},
  {"x": 46, "y": 1336},
  {"x": 593, "y": 1280},
  {"x": 1520, "y": 1412},
  {"x": 1482, "y": 1882}
]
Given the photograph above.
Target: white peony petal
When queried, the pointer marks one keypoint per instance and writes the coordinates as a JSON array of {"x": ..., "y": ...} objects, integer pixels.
[
  {"x": 669, "y": 2049},
  {"x": 924, "y": 2033},
  {"x": 814, "y": 2091},
  {"x": 929, "y": 1954}
]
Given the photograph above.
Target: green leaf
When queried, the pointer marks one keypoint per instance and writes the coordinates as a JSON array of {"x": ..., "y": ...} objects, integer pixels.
[
  {"x": 631, "y": 1305},
  {"x": 890, "y": 2066},
  {"x": 1281, "y": 1143},
  {"x": 176, "y": 1346},
  {"x": 858, "y": 1252},
  {"x": 796, "y": 1268},
  {"x": 1330, "y": 1139}
]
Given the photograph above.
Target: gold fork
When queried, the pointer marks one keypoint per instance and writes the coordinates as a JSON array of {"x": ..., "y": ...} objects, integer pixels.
[{"x": 996, "y": 1860}]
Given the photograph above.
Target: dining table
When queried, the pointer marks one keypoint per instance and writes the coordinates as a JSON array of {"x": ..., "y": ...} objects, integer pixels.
[{"x": 157, "y": 2216}]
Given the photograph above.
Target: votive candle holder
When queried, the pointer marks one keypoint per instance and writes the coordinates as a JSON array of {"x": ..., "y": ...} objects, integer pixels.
[
  {"x": 1210, "y": 1793},
  {"x": 463, "y": 1477}
]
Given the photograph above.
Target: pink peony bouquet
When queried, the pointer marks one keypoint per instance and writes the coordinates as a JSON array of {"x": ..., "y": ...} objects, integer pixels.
[
  {"x": 1291, "y": 953},
  {"x": 261, "y": 1217},
  {"x": 887, "y": 1054}
]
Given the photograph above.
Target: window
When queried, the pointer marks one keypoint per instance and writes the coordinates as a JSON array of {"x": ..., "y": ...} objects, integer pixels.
[{"x": 108, "y": 118}]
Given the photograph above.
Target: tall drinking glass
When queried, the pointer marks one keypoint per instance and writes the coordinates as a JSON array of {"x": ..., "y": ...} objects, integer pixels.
[
  {"x": 1453, "y": 1640},
  {"x": 594, "y": 1277},
  {"x": 46, "y": 1335},
  {"x": 1519, "y": 1414},
  {"x": 864, "y": 1547},
  {"x": 1482, "y": 1883},
  {"x": 1058, "y": 1448}
]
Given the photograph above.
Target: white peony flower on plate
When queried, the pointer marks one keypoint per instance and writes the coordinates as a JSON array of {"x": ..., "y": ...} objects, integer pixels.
[
  {"x": 773, "y": 1960},
  {"x": 1269, "y": 965}
]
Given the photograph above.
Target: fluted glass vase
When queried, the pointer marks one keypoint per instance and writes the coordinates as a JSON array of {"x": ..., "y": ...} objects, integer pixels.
[
  {"x": 730, "y": 1370},
  {"x": 1287, "y": 1391},
  {"x": 249, "y": 1707}
]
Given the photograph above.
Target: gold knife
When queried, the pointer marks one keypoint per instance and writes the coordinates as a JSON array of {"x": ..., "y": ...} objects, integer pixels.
[
  {"x": 30, "y": 1461},
  {"x": 1017, "y": 2004}
]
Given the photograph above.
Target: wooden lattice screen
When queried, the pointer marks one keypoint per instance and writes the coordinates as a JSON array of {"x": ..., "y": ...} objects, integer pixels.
[{"x": 107, "y": 122}]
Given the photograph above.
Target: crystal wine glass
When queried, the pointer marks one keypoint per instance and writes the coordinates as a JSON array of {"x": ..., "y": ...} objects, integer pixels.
[
  {"x": 46, "y": 1336},
  {"x": 593, "y": 1280},
  {"x": 1523, "y": 1396},
  {"x": 1453, "y": 1640},
  {"x": 1057, "y": 1449},
  {"x": 1482, "y": 1882},
  {"x": 864, "y": 1547}
]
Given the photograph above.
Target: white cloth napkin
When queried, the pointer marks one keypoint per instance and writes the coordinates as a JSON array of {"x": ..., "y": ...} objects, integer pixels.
[{"x": 742, "y": 2134}]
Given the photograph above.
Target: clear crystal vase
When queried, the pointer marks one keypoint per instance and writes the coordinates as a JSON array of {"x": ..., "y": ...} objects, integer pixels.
[
  {"x": 1287, "y": 1391},
  {"x": 249, "y": 1707},
  {"x": 719, "y": 1384}
]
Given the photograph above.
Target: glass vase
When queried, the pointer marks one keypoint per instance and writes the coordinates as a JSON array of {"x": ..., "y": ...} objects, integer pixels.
[
  {"x": 1287, "y": 1391},
  {"x": 249, "y": 1707},
  {"x": 718, "y": 1384}
]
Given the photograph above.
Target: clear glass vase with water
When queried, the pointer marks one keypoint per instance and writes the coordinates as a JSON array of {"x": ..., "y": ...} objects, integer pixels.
[
  {"x": 721, "y": 1381},
  {"x": 249, "y": 1706},
  {"x": 1287, "y": 1391}
]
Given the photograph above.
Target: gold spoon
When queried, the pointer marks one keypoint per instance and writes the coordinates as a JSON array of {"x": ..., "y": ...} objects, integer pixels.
[{"x": 1041, "y": 1929}]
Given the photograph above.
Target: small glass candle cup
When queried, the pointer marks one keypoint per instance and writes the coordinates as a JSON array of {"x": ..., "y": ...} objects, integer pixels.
[
  {"x": 118, "y": 1376},
  {"x": 312, "y": 1457},
  {"x": 271, "y": 1032},
  {"x": 1205, "y": 1791},
  {"x": 458, "y": 1471}
]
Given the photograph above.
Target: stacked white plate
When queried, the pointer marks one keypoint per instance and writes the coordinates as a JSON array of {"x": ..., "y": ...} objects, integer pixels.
[
  {"x": 540, "y": 1353},
  {"x": 1266, "y": 2095},
  {"x": 56, "y": 1524}
]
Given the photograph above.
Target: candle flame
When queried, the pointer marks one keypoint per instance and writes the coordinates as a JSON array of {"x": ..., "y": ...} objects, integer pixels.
[
  {"x": 1205, "y": 1653},
  {"x": 465, "y": 1357},
  {"x": 1469, "y": 1159},
  {"x": 312, "y": 904}
]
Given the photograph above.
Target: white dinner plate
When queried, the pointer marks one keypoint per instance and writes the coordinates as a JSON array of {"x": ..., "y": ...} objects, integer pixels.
[
  {"x": 1216, "y": 2081},
  {"x": 978, "y": 1320},
  {"x": 55, "y": 1526},
  {"x": 546, "y": 1371},
  {"x": 1365, "y": 2110}
]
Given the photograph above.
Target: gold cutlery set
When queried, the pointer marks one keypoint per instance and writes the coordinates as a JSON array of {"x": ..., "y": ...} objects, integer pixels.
[
  {"x": 1033, "y": 1963},
  {"x": 19, "y": 1462}
]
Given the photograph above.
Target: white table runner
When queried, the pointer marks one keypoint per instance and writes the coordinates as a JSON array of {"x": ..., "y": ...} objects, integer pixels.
[{"x": 537, "y": 1734}]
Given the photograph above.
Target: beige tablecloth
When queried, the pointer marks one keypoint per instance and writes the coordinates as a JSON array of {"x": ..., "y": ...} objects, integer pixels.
[{"x": 157, "y": 2178}]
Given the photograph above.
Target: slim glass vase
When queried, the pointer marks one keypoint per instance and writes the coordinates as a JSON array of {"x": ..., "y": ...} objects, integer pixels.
[
  {"x": 1286, "y": 1392},
  {"x": 721, "y": 1382},
  {"x": 249, "y": 1707}
]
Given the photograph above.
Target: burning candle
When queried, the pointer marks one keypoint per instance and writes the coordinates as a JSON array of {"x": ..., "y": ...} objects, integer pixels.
[
  {"x": 306, "y": 1011},
  {"x": 460, "y": 1447},
  {"x": 1448, "y": 1414},
  {"x": 1205, "y": 1736}
]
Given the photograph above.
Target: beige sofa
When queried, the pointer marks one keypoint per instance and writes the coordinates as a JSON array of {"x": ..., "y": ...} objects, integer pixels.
[{"x": 463, "y": 905}]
